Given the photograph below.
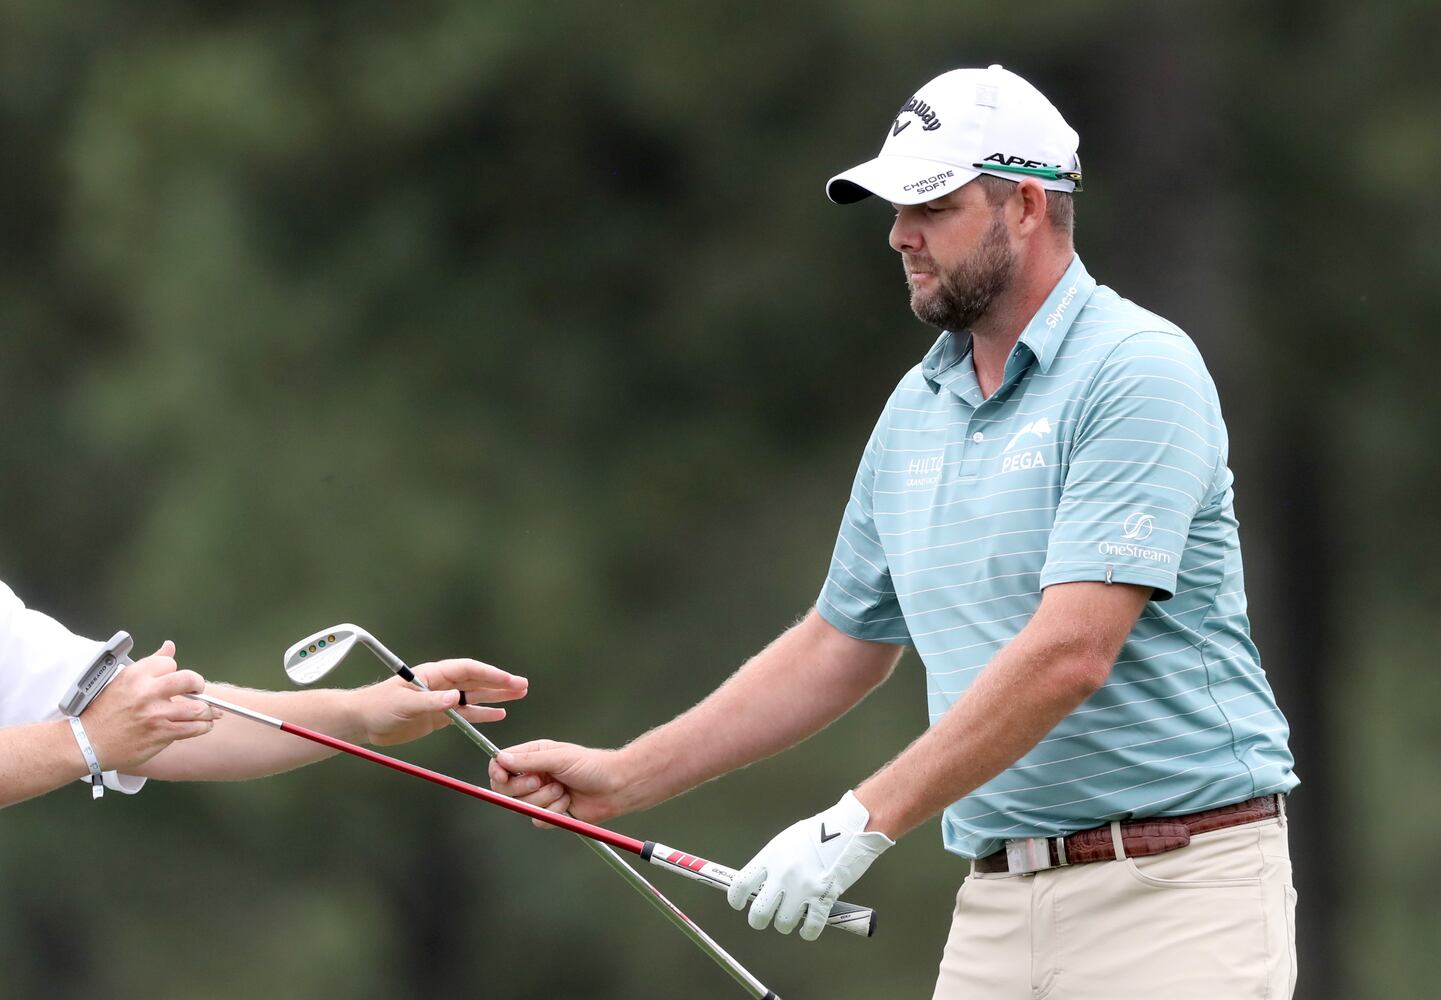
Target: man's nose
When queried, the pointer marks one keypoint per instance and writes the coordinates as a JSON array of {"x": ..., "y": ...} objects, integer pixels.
[{"x": 905, "y": 235}]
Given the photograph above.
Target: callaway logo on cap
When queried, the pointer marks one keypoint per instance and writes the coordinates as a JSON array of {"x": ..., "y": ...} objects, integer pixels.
[{"x": 962, "y": 124}]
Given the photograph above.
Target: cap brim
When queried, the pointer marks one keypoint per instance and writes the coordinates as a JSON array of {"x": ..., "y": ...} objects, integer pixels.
[{"x": 900, "y": 180}]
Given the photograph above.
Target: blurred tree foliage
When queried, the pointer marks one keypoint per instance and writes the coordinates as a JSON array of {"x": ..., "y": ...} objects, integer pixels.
[{"x": 525, "y": 331}]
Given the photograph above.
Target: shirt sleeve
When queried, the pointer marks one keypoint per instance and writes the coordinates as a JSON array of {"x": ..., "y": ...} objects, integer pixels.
[
  {"x": 1149, "y": 452},
  {"x": 39, "y": 660},
  {"x": 858, "y": 597}
]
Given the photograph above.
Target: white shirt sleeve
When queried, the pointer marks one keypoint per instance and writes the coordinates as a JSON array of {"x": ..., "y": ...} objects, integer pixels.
[{"x": 39, "y": 660}]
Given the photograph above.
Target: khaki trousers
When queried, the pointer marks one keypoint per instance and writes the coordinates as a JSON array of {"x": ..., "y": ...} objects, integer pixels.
[{"x": 1214, "y": 920}]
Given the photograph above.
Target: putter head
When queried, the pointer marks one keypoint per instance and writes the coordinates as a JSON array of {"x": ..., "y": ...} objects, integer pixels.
[{"x": 317, "y": 655}]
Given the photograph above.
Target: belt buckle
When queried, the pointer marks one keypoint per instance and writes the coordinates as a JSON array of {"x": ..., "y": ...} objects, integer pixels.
[{"x": 1028, "y": 854}]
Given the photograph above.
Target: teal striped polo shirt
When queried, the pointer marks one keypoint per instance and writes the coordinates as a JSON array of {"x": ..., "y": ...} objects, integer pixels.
[{"x": 1101, "y": 457}]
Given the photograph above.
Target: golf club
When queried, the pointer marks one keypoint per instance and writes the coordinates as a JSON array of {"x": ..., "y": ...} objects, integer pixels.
[
  {"x": 594, "y": 834},
  {"x": 317, "y": 655}
]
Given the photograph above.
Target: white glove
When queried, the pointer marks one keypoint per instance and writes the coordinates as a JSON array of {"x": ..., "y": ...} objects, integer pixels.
[{"x": 802, "y": 871}]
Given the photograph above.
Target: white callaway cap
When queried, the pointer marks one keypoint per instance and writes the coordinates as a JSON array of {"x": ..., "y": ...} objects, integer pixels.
[{"x": 965, "y": 123}]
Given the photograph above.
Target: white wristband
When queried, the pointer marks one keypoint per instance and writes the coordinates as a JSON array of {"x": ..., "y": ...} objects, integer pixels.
[{"x": 97, "y": 779}]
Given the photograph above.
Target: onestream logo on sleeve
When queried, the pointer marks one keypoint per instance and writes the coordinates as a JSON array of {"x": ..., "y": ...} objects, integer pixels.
[{"x": 1137, "y": 527}]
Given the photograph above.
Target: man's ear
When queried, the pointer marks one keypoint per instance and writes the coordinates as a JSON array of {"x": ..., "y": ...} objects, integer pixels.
[{"x": 1031, "y": 198}]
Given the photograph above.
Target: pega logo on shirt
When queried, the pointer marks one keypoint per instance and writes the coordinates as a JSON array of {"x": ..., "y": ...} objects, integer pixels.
[
  {"x": 1037, "y": 429},
  {"x": 1023, "y": 460},
  {"x": 1028, "y": 440},
  {"x": 930, "y": 120}
]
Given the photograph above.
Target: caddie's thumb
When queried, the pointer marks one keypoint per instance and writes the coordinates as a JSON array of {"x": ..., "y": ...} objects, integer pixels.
[{"x": 554, "y": 761}]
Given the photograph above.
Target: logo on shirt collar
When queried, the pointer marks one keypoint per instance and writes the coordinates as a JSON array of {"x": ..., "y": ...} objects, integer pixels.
[{"x": 1053, "y": 318}]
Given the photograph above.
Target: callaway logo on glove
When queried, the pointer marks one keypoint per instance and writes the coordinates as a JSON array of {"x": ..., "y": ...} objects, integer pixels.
[{"x": 799, "y": 875}]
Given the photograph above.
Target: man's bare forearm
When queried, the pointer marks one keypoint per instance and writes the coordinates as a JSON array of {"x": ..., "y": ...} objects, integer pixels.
[
  {"x": 388, "y": 712},
  {"x": 807, "y": 678},
  {"x": 237, "y": 749},
  {"x": 37, "y": 758},
  {"x": 1053, "y": 665},
  {"x": 1014, "y": 703}
]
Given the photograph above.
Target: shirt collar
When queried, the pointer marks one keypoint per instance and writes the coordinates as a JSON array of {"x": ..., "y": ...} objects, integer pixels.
[
  {"x": 1048, "y": 327},
  {"x": 943, "y": 356},
  {"x": 1043, "y": 334}
]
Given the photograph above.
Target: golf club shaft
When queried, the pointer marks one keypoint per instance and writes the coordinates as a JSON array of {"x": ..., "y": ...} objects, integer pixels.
[
  {"x": 347, "y": 633},
  {"x": 435, "y": 777},
  {"x": 598, "y": 836},
  {"x": 673, "y": 913},
  {"x": 849, "y": 917}
]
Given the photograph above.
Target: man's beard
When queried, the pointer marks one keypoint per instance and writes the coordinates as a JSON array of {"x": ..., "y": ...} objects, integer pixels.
[{"x": 964, "y": 294}]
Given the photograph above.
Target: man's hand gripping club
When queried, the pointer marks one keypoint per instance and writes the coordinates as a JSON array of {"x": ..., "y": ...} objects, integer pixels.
[{"x": 798, "y": 876}]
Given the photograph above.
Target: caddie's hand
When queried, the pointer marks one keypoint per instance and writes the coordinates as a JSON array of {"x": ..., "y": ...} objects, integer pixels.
[
  {"x": 562, "y": 777},
  {"x": 396, "y": 711},
  {"x": 140, "y": 712},
  {"x": 798, "y": 876}
]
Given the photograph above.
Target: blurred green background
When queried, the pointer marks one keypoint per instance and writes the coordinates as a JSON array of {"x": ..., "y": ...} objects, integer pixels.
[{"x": 525, "y": 331}]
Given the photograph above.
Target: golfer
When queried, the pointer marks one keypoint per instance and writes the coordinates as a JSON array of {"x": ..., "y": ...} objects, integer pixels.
[
  {"x": 1044, "y": 512},
  {"x": 140, "y": 727}
]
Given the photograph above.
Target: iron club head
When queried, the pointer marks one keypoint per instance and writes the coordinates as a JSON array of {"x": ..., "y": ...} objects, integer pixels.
[{"x": 317, "y": 655}]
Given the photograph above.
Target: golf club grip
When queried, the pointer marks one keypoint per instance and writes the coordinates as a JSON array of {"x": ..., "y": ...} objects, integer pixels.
[{"x": 853, "y": 919}]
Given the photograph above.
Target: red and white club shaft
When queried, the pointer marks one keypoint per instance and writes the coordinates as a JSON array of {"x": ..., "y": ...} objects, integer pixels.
[{"x": 848, "y": 917}]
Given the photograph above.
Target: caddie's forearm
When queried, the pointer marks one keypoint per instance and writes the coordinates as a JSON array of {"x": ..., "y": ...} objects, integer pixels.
[
  {"x": 37, "y": 758},
  {"x": 807, "y": 678},
  {"x": 236, "y": 749}
]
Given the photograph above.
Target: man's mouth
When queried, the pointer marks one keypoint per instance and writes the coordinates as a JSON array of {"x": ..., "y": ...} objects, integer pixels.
[{"x": 918, "y": 271}]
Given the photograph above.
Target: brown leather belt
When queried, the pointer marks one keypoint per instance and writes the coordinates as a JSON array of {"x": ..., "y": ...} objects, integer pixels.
[{"x": 1139, "y": 838}]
